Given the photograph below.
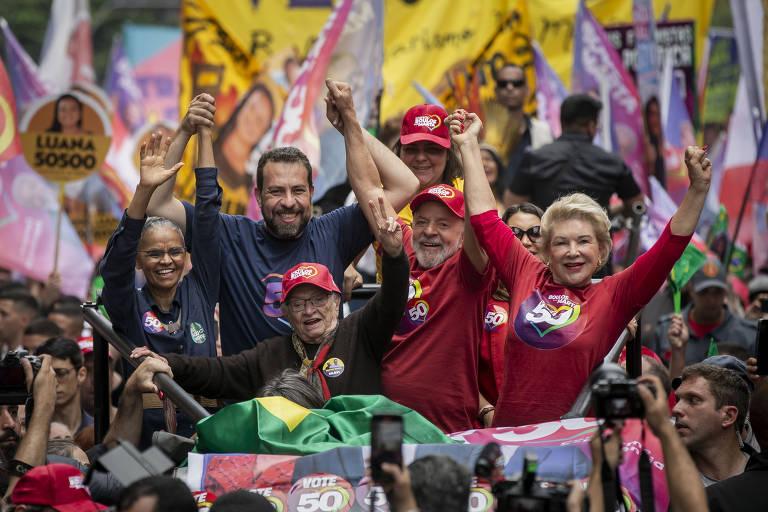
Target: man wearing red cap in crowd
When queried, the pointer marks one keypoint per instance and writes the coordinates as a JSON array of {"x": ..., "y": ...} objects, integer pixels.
[
  {"x": 432, "y": 365},
  {"x": 58, "y": 486},
  {"x": 338, "y": 357}
]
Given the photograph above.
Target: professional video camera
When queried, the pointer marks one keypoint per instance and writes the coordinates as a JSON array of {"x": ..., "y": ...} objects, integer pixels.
[
  {"x": 614, "y": 394},
  {"x": 13, "y": 384},
  {"x": 525, "y": 494}
]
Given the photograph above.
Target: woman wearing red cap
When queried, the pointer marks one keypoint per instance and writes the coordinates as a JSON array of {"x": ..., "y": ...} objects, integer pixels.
[
  {"x": 562, "y": 325},
  {"x": 425, "y": 147}
]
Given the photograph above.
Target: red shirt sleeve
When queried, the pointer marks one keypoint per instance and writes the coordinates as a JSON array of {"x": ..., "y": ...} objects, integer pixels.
[
  {"x": 504, "y": 250},
  {"x": 637, "y": 285}
]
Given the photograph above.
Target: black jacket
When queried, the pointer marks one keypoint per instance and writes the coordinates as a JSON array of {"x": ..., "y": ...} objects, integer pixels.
[{"x": 361, "y": 341}]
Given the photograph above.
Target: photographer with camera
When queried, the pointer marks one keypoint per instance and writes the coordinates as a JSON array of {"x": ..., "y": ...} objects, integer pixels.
[{"x": 32, "y": 446}]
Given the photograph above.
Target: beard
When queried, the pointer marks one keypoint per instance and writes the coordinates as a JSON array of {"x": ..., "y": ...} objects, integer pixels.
[
  {"x": 9, "y": 440},
  {"x": 431, "y": 257},
  {"x": 286, "y": 231}
]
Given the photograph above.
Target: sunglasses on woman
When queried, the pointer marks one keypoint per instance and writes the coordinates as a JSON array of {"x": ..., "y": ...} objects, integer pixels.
[{"x": 533, "y": 233}]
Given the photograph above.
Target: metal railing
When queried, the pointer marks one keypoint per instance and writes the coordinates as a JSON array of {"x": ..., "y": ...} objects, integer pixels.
[{"x": 103, "y": 334}]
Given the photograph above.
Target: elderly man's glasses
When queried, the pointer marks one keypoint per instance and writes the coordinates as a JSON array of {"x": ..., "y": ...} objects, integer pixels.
[
  {"x": 533, "y": 233},
  {"x": 175, "y": 253},
  {"x": 318, "y": 301},
  {"x": 503, "y": 84}
]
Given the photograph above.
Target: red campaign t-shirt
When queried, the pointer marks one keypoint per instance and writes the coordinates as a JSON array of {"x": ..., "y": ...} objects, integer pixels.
[
  {"x": 557, "y": 335},
  {"x": 492, "y": 342},
  {"x": 432, "y": 365}
]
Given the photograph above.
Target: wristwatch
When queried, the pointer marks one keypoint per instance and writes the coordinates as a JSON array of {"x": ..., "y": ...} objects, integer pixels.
[{"x": 17, "y": 468}]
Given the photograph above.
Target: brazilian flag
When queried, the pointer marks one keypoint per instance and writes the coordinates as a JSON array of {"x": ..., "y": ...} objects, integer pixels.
[
  {"x": 275, "y": 425},
  {"x": 693, "y": 258}
]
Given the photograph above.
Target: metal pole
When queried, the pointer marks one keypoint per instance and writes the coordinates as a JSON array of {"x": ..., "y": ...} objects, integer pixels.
[
  {"x": 164, "y": 383},
  {"x": 101, "y": 388},
  {"x": 582, "y": 403}
]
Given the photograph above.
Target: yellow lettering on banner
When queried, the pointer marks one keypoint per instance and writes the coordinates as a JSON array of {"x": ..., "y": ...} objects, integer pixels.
[
  {"x": 553, "y": 24},
  {"x": 283, "y": 409}
]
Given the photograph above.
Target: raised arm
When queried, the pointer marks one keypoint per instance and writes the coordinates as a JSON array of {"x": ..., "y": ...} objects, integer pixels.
[
  {"x": 370, "y": 165},
  {"x": 478, "y": 196},
  {"x": 163, "y": 203},
  {"x": 686, "y": 491},
  {"x": 118, "y": 265},
  {"x": 400, "y": 184},
  {"x": 700, "y": 175},
  {"x": 382, "y": 313},
  {"x": 465, "y": 128},
  {"x": 205, "y": 238}
]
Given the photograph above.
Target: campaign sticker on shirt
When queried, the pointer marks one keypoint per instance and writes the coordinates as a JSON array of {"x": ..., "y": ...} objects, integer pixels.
[
  {"x": 549, "y": 321},
  {"x": 152, "y": 324},
  {"x": 197, "y": 332},
  {"x": 495, "y": 317},
  {"x": 333, "y": 367}
]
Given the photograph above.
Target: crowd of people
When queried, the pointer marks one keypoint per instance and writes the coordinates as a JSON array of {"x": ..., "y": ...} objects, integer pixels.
[{"x": 498, "y": 299}]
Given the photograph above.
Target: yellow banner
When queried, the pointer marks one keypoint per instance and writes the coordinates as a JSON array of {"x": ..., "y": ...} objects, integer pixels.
[
  {"x": 245, "y": 54},
  {"x": 552, "y": 24},
  {"x": 435, "y": 43}
]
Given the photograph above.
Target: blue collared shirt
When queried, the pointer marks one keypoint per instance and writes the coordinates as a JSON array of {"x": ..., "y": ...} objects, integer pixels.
[
  {"x": 253, "y": 262},
  {"x": 135, "y": 314}
]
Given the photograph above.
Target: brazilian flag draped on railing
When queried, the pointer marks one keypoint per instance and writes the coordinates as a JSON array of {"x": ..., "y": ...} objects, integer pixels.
[
  {"x": 275, "y": 425},
  {"x": 693, "y": 258}
]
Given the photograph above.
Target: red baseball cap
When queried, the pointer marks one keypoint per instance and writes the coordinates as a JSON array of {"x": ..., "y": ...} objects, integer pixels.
[
  {"x": 425, "y": 122},
  {"x": 446, "y": 194},
  {"x": 59, "y": 486},
  {"x": 315, "y": 274}
]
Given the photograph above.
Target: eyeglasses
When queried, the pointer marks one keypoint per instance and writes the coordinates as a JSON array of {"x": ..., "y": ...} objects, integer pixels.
[
  {"x": 175, "y": 253},
  {"x": 533, "y": 233},
  {"x": 318, "y": 301},
  {"x": 503, "y": 84}
]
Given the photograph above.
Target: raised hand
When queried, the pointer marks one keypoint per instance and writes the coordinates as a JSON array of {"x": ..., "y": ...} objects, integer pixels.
[
  {"x": 152, "y": 172},
  {"x": 465, "y": 126},
  {"x": 200, "y": 113},
  {"x": 699, "y": 167},
  {"x": 677, "y": 333},
  {"x": 388, "y": 231},
  {"x": 655, "y": 402}
]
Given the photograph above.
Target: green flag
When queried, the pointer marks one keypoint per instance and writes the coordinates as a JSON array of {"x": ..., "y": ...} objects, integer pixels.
[
  {"x": 739, "y": 261},
  {"x": 693, "y": 258},
  {"x": 275, "y": 425}
]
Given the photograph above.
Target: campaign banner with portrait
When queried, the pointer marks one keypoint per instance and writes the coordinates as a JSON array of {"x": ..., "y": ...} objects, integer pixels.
[
  {"x": 65, "y": 137},
  {"x": 240, "y": 53},
  {"x": 675, "y": 40},
  {"x": 336, "y": 479}
]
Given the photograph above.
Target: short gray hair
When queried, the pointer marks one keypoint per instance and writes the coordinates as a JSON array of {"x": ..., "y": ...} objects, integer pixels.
[
  {"x": 291, "y": 385},
  {"x": 161, "y": 222}
]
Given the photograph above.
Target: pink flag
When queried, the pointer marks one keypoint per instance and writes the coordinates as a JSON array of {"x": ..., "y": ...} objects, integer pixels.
[
  {"x": 596, "y": 67},
  {"x": 349, "y": 49},
  {"x": 28, "y": 230},
  {"x": 25, "y": 77},
  {"x": 550, "y": 91}
]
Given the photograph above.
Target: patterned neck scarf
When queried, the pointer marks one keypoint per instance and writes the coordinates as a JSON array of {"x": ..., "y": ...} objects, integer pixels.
[{"x": 309, "y": 366}]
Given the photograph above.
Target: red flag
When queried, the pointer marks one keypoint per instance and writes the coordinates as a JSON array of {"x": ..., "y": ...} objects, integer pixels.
[{"x": 10, "y": 143}]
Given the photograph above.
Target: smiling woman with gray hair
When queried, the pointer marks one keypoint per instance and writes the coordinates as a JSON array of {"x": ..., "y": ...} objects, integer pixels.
[{"x": 563, "y": 325}]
